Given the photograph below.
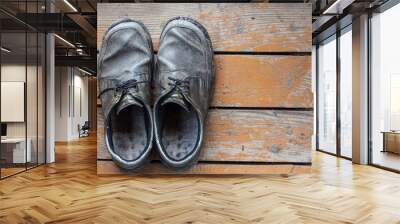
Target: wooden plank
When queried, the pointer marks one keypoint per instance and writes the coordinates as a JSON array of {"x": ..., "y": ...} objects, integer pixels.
[
  {"x": 267, "y": 81},
  {"x": 106, "y": 168},
  {"x": 101, "y": 146},
  {"x": 251, "y": 136},
  {"x": 239, "y": 27},
  {"x": 263, "y": 81}
]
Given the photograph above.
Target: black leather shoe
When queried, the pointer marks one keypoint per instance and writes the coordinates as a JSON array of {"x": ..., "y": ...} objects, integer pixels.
[
  {"x": 125, "y": 68},
  {"x": 184, "y": 83}
]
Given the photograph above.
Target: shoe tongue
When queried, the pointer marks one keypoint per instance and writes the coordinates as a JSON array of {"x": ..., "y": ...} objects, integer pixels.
[
  {"x": 177, "y": 99},
  {"x": 127, "y": 100}
]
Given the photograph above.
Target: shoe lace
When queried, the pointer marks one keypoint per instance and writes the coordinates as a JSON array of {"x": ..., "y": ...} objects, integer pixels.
[
  {"x": 182, "y": 85},
  {"x": 123, "y": 87}
]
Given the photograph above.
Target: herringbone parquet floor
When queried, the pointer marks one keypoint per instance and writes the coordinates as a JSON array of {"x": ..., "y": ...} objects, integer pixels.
[{"x": 70, "y": 192}]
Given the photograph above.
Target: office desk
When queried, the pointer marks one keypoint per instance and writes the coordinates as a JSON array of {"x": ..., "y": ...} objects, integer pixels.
[
  {"x": 16, "y": 148},
  {"x": 391, "y": 141}
]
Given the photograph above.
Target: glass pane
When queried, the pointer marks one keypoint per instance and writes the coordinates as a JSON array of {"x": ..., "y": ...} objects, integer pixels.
[
  {"x": 22, "y": 88},
  {"x": 31, "y": 98},
  {"x": 385, "y": 114},
  {"x": 13, "y": 86},
  {"x": 41, "y": 98},
  {"x": 32, "y": 87},
  {"x": 346, "y": 94},
  {"x": 327, "y": 96}
]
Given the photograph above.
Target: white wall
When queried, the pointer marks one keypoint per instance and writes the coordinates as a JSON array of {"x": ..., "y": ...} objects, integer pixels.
[
  {"x": 61, "y": 103},
  {"x": 70, "y": 84},
  {"x": 33, "y": 126},
  {"x": 80, "y": 98},
  {"x": 16, "y": 73}
]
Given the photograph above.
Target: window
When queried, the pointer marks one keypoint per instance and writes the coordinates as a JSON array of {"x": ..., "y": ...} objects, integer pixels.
[
  {"x": 346, "y": 92},
  {"x": 385, "y": 89},
  {"x": 334, "y": 106},
  {"x": 327, "y": 95},
  {"x": 22, "y": 78}
]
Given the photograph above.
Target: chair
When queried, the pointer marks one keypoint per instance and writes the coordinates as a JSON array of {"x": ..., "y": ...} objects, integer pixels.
[{"x": 84, "y": 130}]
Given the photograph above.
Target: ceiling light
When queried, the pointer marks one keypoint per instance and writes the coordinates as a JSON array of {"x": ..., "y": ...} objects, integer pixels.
[
  {"x": 5, "y": 50},
  {"x": 84, "y": 71},
  {"x": 65, "y": 41},
  {"x": 338, "y": 6},
  {"x": 70, "y": 5}
]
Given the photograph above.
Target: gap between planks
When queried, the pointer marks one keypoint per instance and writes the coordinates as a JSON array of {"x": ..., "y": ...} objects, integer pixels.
[{"x": 106, "y": 168}]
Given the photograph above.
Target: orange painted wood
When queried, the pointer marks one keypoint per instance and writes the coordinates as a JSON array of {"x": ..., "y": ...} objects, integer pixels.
[
  {"x": 102, "y": 152},
  {"x": 250, "y": 136},
  {"x": 263, "y": 81},
  {"x": 239, "y": 27},
  {"x": 106, "y": 168}
]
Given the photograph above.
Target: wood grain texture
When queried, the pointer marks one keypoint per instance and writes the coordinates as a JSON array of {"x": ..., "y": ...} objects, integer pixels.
[
  {"x": 106, "y": 168},
  {"x": 239, "y": 27},
  {"x": 70, "y": 191},
  {"x": 263, "y": 81},
  {"x": 101, "y": 146},
  {"x": 250, "y": 136},
  {"x": 241, "y": 141}
]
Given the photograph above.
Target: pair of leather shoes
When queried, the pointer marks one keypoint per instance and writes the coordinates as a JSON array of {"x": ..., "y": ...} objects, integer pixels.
[{"x": 183, "y": 79}]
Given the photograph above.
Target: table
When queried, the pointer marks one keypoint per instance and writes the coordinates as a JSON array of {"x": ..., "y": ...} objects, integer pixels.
[
  {"x": 391, "y": 141},
  {"x": 16, "y": 147}
]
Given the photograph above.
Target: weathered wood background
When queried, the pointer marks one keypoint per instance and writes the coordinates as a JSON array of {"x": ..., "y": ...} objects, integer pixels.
[{"x": 261, "y": 118}]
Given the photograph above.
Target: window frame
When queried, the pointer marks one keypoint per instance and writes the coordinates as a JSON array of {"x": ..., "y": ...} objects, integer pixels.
[{"x": 337, "y": 34}]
